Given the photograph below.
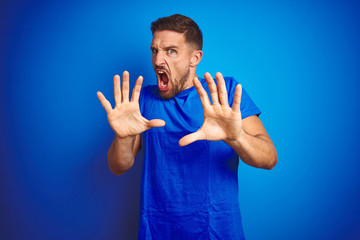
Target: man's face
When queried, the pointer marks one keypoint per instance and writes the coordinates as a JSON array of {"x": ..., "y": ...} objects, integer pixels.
[{"x": 171, "y": 61}]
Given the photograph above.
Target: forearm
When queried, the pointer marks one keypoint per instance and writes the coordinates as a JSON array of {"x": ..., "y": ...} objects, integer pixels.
[
  {"x": 257, "y": 151},
  {"x": 120, "y": 155}
]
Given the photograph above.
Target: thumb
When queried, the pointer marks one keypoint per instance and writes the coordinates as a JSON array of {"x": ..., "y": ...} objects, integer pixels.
[
  {"x": 156, "y": 123},
  {"x": 190, "y": 138}
]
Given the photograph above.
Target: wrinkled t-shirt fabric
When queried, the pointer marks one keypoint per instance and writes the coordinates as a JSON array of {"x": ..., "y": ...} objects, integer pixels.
[{"x": 188, "y": 192}]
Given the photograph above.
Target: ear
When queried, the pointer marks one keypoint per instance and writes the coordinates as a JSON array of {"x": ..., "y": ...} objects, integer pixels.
[{"x": 195, "y": 58}]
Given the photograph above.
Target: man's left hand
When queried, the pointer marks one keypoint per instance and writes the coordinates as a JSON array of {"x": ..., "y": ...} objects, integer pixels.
[{"x": 220, "y": 121}]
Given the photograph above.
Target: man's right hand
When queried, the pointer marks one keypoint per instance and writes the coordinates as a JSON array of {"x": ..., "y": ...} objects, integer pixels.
[{"x": 125, "y": 119}]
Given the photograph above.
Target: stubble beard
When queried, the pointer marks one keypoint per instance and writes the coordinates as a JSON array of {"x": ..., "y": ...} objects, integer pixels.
[{"x": 178, "y": 85}]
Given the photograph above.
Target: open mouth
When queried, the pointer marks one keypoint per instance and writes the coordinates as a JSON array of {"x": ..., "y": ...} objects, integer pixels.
[{"x": 163, "y": 80}]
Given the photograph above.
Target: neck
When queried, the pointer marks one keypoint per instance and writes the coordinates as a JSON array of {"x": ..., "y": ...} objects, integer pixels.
[{"x": 190, "y": 82}]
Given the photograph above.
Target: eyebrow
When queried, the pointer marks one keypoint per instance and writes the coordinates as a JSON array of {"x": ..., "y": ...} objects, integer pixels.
[
  {"x": 169, "y": 47},
  {"x": 166, "y": 48}
]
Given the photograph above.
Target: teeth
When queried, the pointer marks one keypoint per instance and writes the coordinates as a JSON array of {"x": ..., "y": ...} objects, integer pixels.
[
  {"x": 163, "y": 84},
  {"x": 160, "y": 72}
]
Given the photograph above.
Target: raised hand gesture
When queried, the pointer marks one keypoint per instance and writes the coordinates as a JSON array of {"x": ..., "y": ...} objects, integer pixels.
[
  {"x": 125, "y": 119},
  {"x": 220, "y": 121}
]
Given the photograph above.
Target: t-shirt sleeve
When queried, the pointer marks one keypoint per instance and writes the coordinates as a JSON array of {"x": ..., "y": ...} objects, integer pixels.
[
  {"x": 141, "y": 98},
  {"x": 247, "y": 106},
  {"x": 145, "y": 93}
]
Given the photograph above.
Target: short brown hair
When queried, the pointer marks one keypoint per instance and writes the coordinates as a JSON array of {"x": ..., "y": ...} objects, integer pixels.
[{"x": 181, "y": 24}]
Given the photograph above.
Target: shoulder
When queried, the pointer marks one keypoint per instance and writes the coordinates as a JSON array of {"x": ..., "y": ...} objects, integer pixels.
[
  {"x": 230, "y": 82},
  {"x": 147, "y": 95},
  {"x": 247, "y": 106},
  {"x": 149, "y": 91}
]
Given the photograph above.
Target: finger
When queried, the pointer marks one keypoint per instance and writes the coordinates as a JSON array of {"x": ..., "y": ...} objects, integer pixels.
[
  {"x": 125, "y": 87},
  {"x": 212, "y": 87},
  {"x": 117, "y": 90},
  {"x": 202, "y": 93},
  {"x": 137, "y": 88},
  {"x": 237, "y": 98},
  {"x": 190, "y": 138},
  {"x": 105, "y": 103},
  {"x": 156, "y": 123},
  {"x": 223, "y": 97}
]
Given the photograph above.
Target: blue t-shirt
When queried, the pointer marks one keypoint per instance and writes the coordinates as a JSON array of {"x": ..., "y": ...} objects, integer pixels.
[{"x": 188, "y": 192}]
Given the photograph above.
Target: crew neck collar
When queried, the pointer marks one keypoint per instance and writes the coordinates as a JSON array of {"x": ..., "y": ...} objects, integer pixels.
[{"x": 188, "y": 90}]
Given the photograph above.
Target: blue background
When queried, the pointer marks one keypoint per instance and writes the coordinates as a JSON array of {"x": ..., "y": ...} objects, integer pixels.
[{"x": 298, "y": 60}]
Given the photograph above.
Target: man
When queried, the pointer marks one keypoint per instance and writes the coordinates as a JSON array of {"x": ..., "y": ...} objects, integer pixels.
[{"x": 188, "y": 142}]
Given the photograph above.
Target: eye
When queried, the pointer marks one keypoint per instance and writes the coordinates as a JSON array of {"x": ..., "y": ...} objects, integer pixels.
[
  {"x": 153, "y": 50},
  {"x": 171, "y": 51}
]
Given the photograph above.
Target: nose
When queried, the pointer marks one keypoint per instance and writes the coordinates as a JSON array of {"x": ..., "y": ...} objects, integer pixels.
[{"x": 159, "y": 59}]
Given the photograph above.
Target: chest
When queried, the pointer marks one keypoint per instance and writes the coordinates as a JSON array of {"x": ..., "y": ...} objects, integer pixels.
[{"x": 180, "y": 114}]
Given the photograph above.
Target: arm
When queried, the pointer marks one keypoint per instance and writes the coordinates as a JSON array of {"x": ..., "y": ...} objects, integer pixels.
[
  {"x": 122, "y": 153},
  {"x": 247, "y": 136},
  {"x": 127, "y": 123},
  {"x": 254, "y": 145}
]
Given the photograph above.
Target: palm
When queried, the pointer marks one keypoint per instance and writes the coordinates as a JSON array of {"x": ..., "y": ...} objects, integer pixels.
[
  {"x": 220, "y": 121},
  {"x": 125, "y": 119}
]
